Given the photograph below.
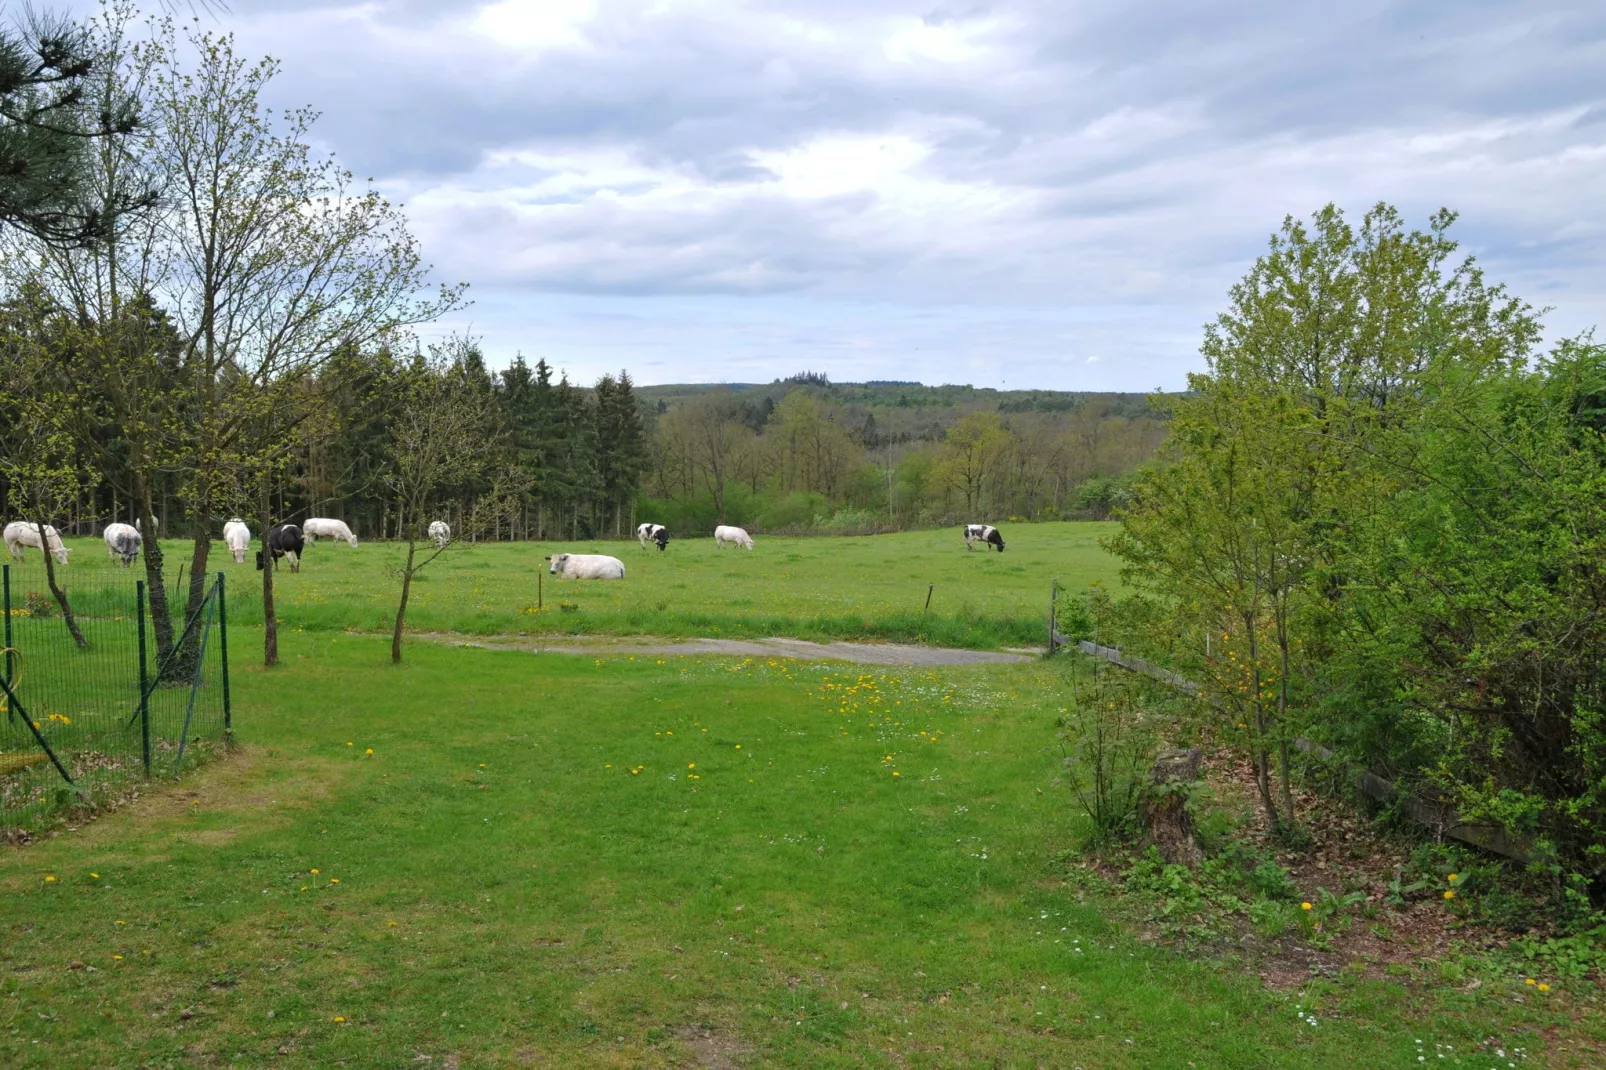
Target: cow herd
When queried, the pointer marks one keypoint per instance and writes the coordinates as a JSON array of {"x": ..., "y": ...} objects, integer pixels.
[
  {"x": 603, "y": 567},
  {"x": 289, "y": 542}
]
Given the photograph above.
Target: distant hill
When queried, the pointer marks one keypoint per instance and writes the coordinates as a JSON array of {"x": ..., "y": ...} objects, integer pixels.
[{"x": 913, "y": 412}]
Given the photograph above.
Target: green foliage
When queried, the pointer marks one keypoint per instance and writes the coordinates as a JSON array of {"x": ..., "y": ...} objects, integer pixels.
[
  {"x": 1108, "y": 740},
  {"x": 1379, "y": 522}
]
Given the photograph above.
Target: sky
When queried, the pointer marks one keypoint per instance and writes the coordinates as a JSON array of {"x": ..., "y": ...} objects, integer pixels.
[{"x": 1020, "y": 195}]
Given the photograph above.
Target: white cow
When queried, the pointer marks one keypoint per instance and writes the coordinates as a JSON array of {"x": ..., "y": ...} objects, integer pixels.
[
  {"x": 21, "y": 533},
  {"x": 441, "y": 532},
  {"x": 587, "y": 566},
  {"x": 122, "y": 542},
  {"x": 237, "y": 537},
  {"x": 156, "y": 523},
  {"x": 323, "y": 528},
  {"x": 648, "y": 534},
  {"x": 735, "y": 536}
]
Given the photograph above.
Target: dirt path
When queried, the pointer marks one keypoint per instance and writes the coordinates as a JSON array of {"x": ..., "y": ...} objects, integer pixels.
[{"x": 802, "y": 649}]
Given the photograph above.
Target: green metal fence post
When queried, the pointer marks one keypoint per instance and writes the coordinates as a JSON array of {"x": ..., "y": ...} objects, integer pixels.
[
  {"x": 6, "y": 584},
  {"x": 144, "y": 677},
  {"x": 223, "y": 647}
]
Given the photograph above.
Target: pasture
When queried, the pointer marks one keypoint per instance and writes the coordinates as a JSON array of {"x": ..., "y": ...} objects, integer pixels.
[
  {"x": 486, "y": 857},
  {"x": 638, "y": 862},
  {"x": 812, "y": 588}
]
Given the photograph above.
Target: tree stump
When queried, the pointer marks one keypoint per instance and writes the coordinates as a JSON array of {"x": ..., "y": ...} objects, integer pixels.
[{"x": 1166, "y": 818}]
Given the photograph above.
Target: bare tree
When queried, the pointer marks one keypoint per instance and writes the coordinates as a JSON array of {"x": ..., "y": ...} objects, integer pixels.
[{"x": 438, "y": 439}]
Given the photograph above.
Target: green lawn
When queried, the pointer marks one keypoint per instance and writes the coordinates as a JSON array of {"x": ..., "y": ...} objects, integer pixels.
[
  {"x": 873, "y": 586},
  {"x": 639, "y": 862}
]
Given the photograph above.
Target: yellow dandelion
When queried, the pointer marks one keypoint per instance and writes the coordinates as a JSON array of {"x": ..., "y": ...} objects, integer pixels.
[
  {"x": 349, "y": 743},
  {"x": 50, "y": 878},
  {"x": 1304, "y": 906},
  {"x": 1449, "y": 894},
  {"x": 315, "y": 872},
  {"x": 1529, "y": 981},
  {"x": 369, "y": 751},
  {"x": 120, "y": 921},
  {"x": 303, "y": 887},
  {"x": 334, "y": 880},
  {"x": 608, "y": 766},
  {"x": 691, "y": 765},
  {"x": 738, "y": 746},
  {"x": 94, "y": 876},
  {"x": 669, "y": 733},
  {"x": 118, "y": 958},
  {"x": 339, "y": 1018},
  {"x": 1544, "y": 988},
  {"x": 1454, "y": 877},
  {"x": 897, "y": 774}
]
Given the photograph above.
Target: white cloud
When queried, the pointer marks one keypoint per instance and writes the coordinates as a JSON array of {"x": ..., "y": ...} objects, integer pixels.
[
  {"x": 535, "y": 25},
  {"x": 1055, "y": 192}
]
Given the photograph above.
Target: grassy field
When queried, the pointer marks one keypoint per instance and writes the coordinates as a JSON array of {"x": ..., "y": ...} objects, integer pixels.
[
  {"x": 492, "y": 858},
  {"x": 870, "y": 587}
]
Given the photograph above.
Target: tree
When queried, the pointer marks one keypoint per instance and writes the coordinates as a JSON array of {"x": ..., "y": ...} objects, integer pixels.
[
  {"x": 277, "y": 260},
  {"x": 1287, "y": 452},
  {"x": 50, "y": 119},
  {"x": 38, "y": 457},
  {"x": 437, "y": 439},
  {"x": 970, "y": 451}
]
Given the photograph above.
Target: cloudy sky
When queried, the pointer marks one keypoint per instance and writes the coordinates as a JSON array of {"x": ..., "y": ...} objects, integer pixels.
[{"x": 1022, "y": 194}]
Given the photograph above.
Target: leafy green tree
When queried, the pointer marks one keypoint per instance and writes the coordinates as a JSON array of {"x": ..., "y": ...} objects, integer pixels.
[{"x": 51, "y": 117}]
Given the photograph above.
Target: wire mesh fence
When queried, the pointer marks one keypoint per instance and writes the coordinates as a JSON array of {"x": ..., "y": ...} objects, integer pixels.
[{"x": 80, "y": 724}]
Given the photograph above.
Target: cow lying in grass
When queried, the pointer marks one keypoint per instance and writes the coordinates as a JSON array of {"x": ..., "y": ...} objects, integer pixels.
[{"x": 587, "y": 566}]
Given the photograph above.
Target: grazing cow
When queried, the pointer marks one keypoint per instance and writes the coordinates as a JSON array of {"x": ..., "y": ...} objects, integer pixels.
[
  {"x": 649, "y": 533},
  {"x": 735, "y": 536},
  {"x": 587, "y": 566},
  {"x": 323, "y": 528},
  {"x": 284, "y": 540},
  {"x": 985, "y": 534},
  {"x": 440, "y": 532},
  {"x": 122, "y": 542},
  {"x": 21, "y": 533},
  {"x": 237, "y": 537}
]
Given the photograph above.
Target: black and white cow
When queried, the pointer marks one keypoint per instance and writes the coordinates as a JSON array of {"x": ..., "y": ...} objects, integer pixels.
[
  {"x": 657, "y": 533},
  {"x": 983, "y": 533},
  {"x": 283, "y": 540}
]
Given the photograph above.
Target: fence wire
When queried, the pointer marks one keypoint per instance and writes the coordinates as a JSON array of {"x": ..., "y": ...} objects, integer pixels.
[{"x": 82, "y": 725}]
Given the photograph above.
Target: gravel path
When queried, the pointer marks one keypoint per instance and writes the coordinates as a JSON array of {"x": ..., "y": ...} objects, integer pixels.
[{"x": 802, "y": 649}]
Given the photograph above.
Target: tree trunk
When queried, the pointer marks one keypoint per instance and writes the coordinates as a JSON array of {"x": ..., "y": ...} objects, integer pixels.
[
  {"x": 401, "y": 610},
  {"x": 1165, "y": 807},
  {"x": 60, "y": 595},
  {"x": 155, "y": 581}
]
